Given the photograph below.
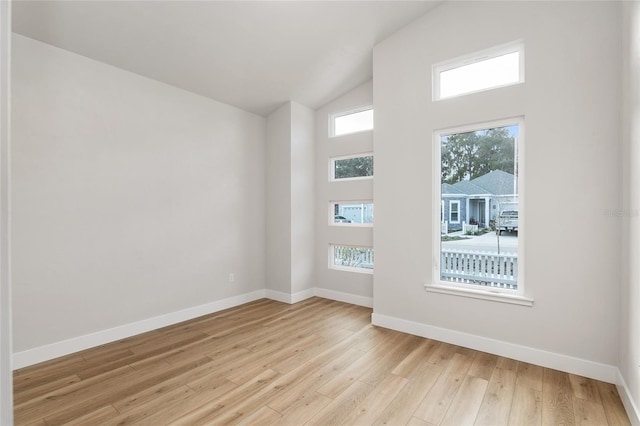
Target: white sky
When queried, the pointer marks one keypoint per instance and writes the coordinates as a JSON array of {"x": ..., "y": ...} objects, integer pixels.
[{"x": 492, "y": 72}]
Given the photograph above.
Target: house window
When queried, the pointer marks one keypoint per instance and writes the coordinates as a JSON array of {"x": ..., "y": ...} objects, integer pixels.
[
  {"x": 351, "y": 258},
  {"x": 489, "y": 69},
  {"x": 359, "y": 166},
  {"x": 454, "y": 211},
  {"x": 481, "y": 166},
  {"x": 353, "y": 121},
  {"x": 351, "y": 213}
]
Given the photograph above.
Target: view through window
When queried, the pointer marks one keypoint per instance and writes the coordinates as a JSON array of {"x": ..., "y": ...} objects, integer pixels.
[
  {"x": 351, "y": 258},
  {"x": 351, "y": 122},
  {"x": 351, "y": 213},
  {"x": 489, "y": 69},
  {"x": 479, "y": 202},
  {"x": 352, "y": 167}
]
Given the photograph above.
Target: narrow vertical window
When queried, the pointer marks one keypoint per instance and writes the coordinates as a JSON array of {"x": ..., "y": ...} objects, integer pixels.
[{"x": 454, "y": 211}]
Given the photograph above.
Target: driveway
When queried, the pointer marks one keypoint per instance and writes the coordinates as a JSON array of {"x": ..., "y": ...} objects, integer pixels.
[{"x": 486, "y": 243}]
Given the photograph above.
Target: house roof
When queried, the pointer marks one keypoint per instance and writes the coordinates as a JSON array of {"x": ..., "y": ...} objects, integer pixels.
[
  {"x": 496, "y": 182},
  {"x": 447, "y": 188}
]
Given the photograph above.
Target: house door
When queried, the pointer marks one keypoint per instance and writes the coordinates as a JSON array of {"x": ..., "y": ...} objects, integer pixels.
[{"x": 480, "y": 214}]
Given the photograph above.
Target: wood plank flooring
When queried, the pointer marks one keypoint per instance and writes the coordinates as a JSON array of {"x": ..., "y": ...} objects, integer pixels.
[{"x": 318, "y": 362}]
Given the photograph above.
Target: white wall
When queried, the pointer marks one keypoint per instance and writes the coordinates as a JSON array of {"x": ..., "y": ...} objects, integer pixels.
[
  {"x": 349, "y": 286},
  {"x": 630, "y": 211},
  {"x": 290, "y": 202},
  {"x": 303, "y": 209},
  {"x": 6, "y": 377},
  {"x": 571, "y": 102},
  {"x": 278, "y": 200},
  {"x": 132, "y": 199}
]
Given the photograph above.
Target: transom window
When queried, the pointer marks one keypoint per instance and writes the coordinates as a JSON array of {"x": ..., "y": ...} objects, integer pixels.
[
  {"x": 353, "y": 121},
  {"x": 489, "y": 69}
]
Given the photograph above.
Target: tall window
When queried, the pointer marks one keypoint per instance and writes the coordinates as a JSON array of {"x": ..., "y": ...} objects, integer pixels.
[{"x": 479, "y": 248}]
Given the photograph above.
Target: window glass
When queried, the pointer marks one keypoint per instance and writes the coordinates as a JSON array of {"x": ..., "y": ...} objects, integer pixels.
[
  {"x": 480, "y": 193},
  {"x": 356, "y": 166},
  {"x": 485, "y": 70},
  {"x": 351, "y": 213},
  {"x": 352, "y": 122},
  {"x": 356, "y": 259}
]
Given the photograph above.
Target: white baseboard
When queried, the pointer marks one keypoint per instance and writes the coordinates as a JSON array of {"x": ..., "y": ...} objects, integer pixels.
[
  {"x": 66, "y": 347},
  {"x": 627, "y": 400},
  {"x": 278, "y": 296},
  {"x": 339, "y": 296},
  {"x": 76, "y": 344},
  {"x": 581, "y": 367},
  {"x": 289, "y": 297},
  {"x": 303, "y": 295}
]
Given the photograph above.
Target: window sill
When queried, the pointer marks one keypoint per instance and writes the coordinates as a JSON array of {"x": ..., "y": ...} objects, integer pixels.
[{"x": 480, "y": 294}]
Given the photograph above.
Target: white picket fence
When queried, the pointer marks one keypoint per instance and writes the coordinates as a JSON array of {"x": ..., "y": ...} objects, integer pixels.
[
  {"x": 482, "y": 268},
  {"x": 355, "y": 257}
]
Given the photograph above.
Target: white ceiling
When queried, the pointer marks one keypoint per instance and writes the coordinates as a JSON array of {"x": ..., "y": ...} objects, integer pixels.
[{"x": 251, "y": 54}]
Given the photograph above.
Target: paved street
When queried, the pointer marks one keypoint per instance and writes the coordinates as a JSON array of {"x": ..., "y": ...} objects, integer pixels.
[{"x": 486, "y": 243}]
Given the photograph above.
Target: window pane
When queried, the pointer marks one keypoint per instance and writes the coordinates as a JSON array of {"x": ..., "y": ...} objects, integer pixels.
[
  {"x": 486, "y": 74},
  {"x": 352, "y": 213},
  {"x": 347, "y": 257},
  {"x": 484, "y": 70},
  {"x": 353, "y": 167},
  {"x": 353, "y": 122},
  {"x": 479, "y": 192}
]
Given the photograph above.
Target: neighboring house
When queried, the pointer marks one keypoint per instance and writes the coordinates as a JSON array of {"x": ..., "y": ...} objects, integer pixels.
[
  {"x": 480, "y": 199},
  {"x": 355, "y": 213}
]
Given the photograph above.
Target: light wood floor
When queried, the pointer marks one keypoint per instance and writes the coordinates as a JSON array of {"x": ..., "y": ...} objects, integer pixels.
[{"x": 318, "y": 362}]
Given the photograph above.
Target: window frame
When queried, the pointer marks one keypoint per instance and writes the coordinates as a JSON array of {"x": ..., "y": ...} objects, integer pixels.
[
  {"x": 436, "y": 284},
  {"x": 335, "y": 267},
  {"x": 335, "y": 115},
  {"x": 477, "y": 57},
  {"x": 332, "y": 167},
  {"x": 331, "y": 218},
  {"x": 451, "y": 203}
]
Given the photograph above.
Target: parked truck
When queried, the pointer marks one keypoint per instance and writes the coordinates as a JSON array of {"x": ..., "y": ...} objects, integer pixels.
[{"x": 507, "y": 221}]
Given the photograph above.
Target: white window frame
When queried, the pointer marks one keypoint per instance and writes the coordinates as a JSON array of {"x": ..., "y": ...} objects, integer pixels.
[
  {"x": 333, "y": 266},
  {"x": 476, "y": 57},
  {"x": 334, "y": 116},
  {"x": 332, "y": 221},
  {"x": 332, "y": 167},
  {"x": 435, "y": 284},
  {"x": 451, "y": 203}
]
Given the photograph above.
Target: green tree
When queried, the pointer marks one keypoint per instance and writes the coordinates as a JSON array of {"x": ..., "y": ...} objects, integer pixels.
[
  {"x": 354, "y": 167},
  {"x": 466, "y": 156}
]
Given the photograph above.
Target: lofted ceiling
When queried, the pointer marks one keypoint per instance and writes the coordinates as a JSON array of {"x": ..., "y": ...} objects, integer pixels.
[{"x": 254, "y": 55}]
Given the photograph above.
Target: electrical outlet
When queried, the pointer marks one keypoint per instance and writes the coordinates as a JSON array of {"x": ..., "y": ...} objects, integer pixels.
[{"x": 232, "y": 277}]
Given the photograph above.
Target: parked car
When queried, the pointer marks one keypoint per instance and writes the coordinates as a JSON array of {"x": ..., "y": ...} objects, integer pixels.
[
  {"x": 340, "y": 219},
  {"x": 507, "y": 221}
]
